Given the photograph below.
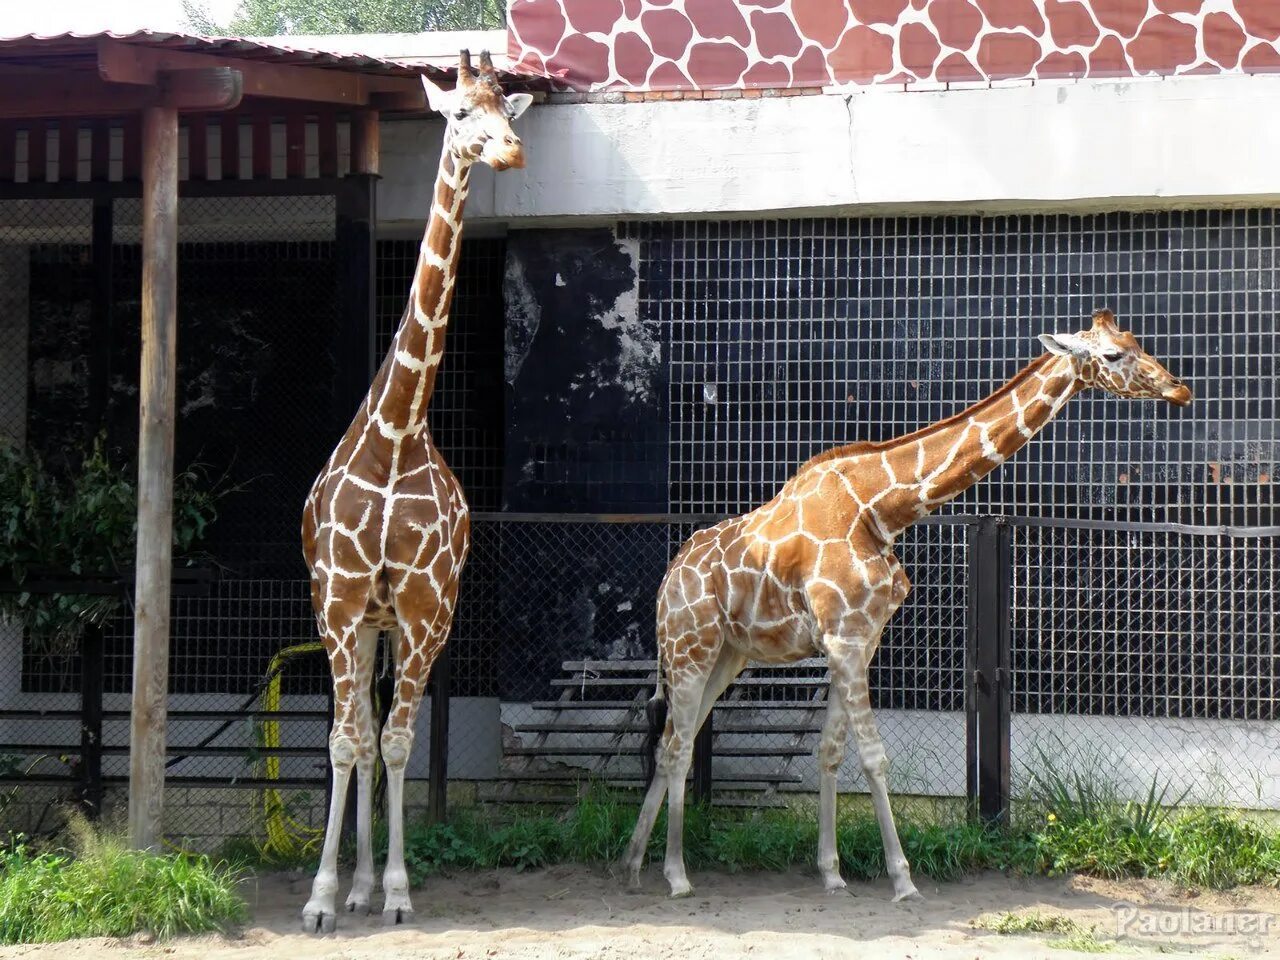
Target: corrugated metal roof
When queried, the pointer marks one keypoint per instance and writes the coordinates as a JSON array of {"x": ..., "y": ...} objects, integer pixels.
[{"x": 72, "y": 46}]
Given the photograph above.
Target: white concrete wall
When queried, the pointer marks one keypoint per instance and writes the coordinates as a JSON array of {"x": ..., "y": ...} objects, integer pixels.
[
  {"x": 1089, "y": 144},
  {"x": 1228, "y": 763}
]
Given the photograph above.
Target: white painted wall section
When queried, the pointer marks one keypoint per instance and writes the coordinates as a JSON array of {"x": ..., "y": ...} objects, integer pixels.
[{"x": 1089, "y": 145}]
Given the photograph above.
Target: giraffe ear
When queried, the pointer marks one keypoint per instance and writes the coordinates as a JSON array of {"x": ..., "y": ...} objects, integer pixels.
[
  {"x": 518, "y": 103},
  {"x": 439, "y": 99},
  {"x": 1066, "y": 345}
]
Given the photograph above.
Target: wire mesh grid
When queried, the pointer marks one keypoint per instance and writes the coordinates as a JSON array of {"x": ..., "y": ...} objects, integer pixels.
[
  {"x": 465, "y": 415},
  {"x": 787, "y": 337},
  {"x": 565, "y": 608},
  {"x": 1144, "y": 656}
]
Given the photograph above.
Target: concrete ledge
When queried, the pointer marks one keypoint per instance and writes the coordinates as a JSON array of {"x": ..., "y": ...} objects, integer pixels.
[{"x": 1175, "y": 142}]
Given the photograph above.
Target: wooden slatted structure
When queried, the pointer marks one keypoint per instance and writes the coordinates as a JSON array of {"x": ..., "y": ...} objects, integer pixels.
[
  {"x": 767, "y": 722},
  {"x": 160, "y": 115}
]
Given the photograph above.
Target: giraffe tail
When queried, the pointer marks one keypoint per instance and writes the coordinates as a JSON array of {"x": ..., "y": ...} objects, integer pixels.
[{"x": 656, "y": 712}]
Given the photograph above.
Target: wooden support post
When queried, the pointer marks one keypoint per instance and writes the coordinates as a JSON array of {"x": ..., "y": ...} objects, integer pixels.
[
  {"x": 366, "y": 143},
  {"x": 438, "y": 762},
  {"x": 987, "y": 668},
  {"x": 155, "y": 474},
  {"x": 702, "y": 755},
  {"x": 355, "y": 216}
]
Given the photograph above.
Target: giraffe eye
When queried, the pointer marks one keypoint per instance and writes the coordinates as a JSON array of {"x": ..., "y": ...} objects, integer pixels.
[
  {"x": 1113, "y": 356},
  {"x": 460, "y": 115}
]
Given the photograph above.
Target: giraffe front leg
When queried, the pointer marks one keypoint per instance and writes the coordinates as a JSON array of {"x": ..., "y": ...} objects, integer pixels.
[
  {"x": 416, "y": 649},
  {"x": 351, "y": 665},
  {"x": 366, "y": 757},
  {"x": 848, "y": 661}
]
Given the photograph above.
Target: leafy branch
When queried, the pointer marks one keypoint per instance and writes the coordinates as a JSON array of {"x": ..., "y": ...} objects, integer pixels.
[{"x": 82, "y": 523}]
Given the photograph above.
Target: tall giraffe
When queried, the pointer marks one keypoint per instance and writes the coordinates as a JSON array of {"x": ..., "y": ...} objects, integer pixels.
[
  {"x": 813, "y": 572},
  {"x": 385, "y": 529}
]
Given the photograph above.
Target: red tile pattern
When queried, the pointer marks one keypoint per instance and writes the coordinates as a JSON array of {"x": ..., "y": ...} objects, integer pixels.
[{"x": 687, "y": 45}]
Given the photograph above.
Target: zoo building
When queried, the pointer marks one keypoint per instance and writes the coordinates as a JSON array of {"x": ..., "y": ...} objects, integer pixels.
[{"x": 739, "y": 240}]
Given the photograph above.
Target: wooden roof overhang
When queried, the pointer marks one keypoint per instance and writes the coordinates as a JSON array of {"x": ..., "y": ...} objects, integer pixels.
[{"x": 63, "y": 97}]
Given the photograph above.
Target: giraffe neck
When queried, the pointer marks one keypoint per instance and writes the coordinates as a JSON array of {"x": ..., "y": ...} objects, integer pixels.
[
  {"x": 402, "y": 388},
  {"x": 919, "y": 472}
]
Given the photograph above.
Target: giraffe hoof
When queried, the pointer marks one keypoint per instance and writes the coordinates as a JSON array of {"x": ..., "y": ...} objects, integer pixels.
[
  {"x": 681, "y": 889},
  {"x": 394, "y": 916},
  {"x": 318, "y": 922},
  {"x": 834, "y": 884},
  {"x": 911, "y": 895},
  {"x": 357, "y": 906}
]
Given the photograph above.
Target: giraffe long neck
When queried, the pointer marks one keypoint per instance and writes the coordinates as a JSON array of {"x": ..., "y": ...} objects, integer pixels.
[
  {"x": 402, "y": 388},
  {"x": 925, "y": 469}
]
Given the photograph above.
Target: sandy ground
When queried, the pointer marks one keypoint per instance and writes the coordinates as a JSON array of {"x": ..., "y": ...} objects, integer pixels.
[{"x": 566, "y": 913}]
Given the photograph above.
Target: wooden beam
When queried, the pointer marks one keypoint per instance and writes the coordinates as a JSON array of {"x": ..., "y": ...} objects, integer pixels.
[
  {"x": 365, "y": 141},
  {"x": 68, "y": 149},
  {"x": 217, "y": 88},
  {"x": 197, "y": 148},
  {"x": 8, "y": 150},
  {"x": 121, "y": 62},
  {"x": 81, "y": 94},
  {"x": 295, "y": 145},
  {"x": 37, "y": 152},
  {"x": 229, "y": 149},
  {"x": 155, "y": 475}
]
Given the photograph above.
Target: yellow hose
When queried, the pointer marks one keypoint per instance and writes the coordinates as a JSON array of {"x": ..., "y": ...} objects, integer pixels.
[{"x": 287, "y": 839}]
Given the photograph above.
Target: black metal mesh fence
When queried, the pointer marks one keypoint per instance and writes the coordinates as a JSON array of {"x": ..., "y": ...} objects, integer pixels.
[
  {"x": 564, "y": 609},
  {"x": 1144, "y": 657},
  {"x": 1150, "y": 654}
]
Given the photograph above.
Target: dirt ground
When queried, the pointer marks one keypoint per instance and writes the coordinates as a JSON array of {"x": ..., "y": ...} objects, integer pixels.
[{"x": 570, "y": 912}]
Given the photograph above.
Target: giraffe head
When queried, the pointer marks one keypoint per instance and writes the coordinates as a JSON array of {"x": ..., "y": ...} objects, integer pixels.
[
  {"x": 478, "y": 115},
  {"x": 1112, "y": 359}
]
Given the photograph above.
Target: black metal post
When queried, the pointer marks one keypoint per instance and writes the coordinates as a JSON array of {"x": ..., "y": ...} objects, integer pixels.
[
  {"x": 91, "y": 676},
  {"x": 355, "y": 226},
  {"x": 702, "y": 754},
  {"x": 987, "y": 668},
  {"x": 438, "y": 762},
  {"x": 100, "y": 326}
]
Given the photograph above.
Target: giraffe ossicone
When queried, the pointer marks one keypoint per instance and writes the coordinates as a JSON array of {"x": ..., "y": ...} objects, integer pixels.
[
  {"x": 812, "y": 572},
  {"x": 385, "y": 529}
]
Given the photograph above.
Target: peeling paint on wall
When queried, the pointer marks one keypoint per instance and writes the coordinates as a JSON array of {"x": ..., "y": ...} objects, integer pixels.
[
  {"x": 523, "y": 316},
  {"x": 586, "y": 381}
]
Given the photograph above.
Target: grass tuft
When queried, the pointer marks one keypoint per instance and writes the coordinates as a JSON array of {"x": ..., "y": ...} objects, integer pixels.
[
  {"x": 1074, "y": 936},
  {"x": 1033, "y": 922},
  {"x": 1065, "y": 826},
  {"x": 103, "y": 889}
]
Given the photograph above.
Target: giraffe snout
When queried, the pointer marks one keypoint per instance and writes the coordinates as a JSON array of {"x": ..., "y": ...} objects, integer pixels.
[{"x": 1179, "y": 394}]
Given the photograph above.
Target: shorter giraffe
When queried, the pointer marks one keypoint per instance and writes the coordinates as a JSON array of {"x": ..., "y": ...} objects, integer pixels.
[{"x": 812, "y": 572}]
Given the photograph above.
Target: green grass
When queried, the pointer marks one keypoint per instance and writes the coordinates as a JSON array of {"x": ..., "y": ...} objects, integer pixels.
[
  {"x": 1033, "y": 922},
  {"x": 1064, "y": 825},
  {"x": 1080, "y": 825},
  {"x": 103, "y": 889},
  {"x": 1074, "y": 935}
]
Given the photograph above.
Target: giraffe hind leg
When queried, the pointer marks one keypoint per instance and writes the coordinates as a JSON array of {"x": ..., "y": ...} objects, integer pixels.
[{"x": 688, "y": 713}]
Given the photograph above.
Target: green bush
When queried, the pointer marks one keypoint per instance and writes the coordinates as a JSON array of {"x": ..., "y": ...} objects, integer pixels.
[
  {"x": 106, "y": 890},
  {"x": 81, "y": 522}
]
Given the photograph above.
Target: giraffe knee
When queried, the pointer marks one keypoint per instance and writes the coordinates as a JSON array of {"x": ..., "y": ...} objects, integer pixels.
[
  {"x": 875, "y": 764},
  {"x": 343, "y": 749},
  {"x": 396, "y": 747}
]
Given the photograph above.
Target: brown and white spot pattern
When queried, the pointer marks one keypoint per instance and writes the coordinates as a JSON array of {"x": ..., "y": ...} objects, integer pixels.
[{"x": 723, "y": 44}]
